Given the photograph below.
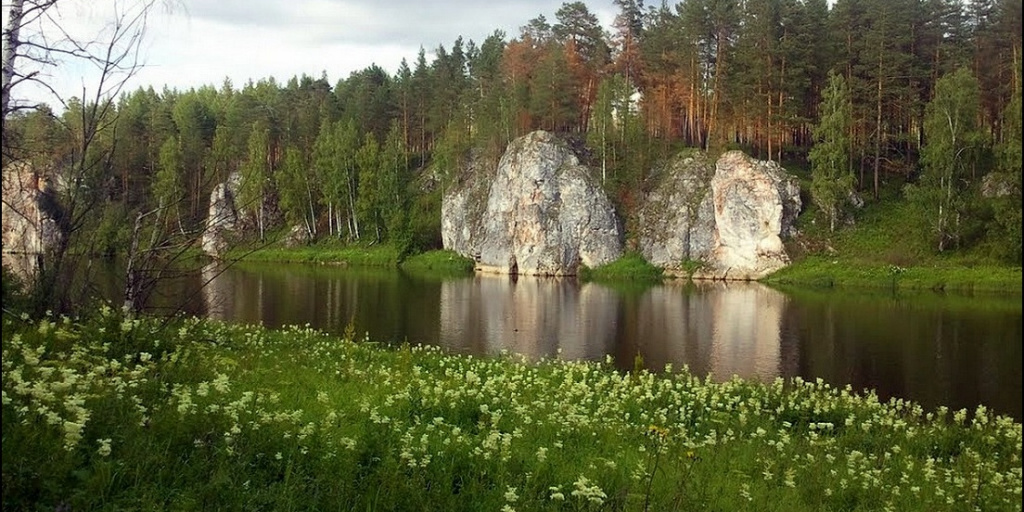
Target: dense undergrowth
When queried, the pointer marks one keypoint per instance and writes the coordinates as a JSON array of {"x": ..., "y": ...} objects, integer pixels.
[{"x": 111, "y": 413}]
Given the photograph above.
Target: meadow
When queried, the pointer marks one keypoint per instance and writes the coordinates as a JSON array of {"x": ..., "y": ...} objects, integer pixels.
[{"x": 109, "y": 412}]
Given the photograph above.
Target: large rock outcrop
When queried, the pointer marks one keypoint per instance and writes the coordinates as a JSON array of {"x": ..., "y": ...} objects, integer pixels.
[
  {"x": 31, "y": 217},
  {"x": 732, "y": 223},
  {"x": 676, "y": 223},
  {"x": 223, "y": 217},
  {"x": 538, "y": 213}
]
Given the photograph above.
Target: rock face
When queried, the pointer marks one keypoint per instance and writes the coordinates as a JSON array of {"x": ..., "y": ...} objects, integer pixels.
[
  {"x": 732, "y": 224},
  {"x": 31, "y": 214},
  {"x": 223, "y": 216},
  {"x": 540, "y": 213},
  {"x": 998, "y": 184},
  {"x": 677, "y": 220}
]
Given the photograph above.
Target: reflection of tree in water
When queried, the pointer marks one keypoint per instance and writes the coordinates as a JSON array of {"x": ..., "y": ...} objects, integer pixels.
[{"x": 950, "y": 351}]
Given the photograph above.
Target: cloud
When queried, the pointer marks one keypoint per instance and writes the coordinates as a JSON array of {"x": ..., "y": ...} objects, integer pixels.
[{"x": 201, "y": 42}]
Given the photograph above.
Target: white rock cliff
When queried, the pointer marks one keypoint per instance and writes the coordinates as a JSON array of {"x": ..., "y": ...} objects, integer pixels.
[
  {"x": 729, "y": 218},
  {"x": 542, "y": 213}
]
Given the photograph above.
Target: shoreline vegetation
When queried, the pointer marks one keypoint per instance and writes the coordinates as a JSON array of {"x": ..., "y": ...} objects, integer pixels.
[
  {"x": 810, "y": 272},
  {"x": 870, "y": 254},
  {"x": 114, "y": 412}
]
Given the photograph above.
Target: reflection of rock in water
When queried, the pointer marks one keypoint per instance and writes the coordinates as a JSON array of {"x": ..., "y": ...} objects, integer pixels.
[
  {"x": 722, "y": 329},
  {"x": 532, "y": 316},
  {"x": 674, "y": 326},
  {"x": 590, "y": 332},
  {"x": 747, "y": 334},
  {"x": 218, "y": 294}
]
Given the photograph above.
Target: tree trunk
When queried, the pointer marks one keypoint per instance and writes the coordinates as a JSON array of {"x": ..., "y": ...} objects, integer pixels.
[{"x": 11, "y": 43}]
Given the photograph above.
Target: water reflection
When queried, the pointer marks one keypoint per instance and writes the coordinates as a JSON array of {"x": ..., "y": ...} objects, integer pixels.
[
  {"x": 536, "y": 317},
  {"x": 722, "y": 329},
  {"x": 935, "y": 350}
]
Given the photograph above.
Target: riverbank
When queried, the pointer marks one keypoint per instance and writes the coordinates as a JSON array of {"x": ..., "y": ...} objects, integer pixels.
[
  {"x": 821, "y": 272},
  {"x": 111, "y": 413},
  {"x": 807, "y": 270},
  {"x": 358, "y": 255}
]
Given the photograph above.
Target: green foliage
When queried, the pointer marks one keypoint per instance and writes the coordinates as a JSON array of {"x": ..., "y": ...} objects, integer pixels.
[
  {"x": 861, "y": 256},
  {"x": 442, "y": 261},
  {"x": 950, "y": 157},
  {"x": 145, "y": 413},
  {"x": 113, "y": 231},
  {"x": 832, "y": 177},
  {"x": 295, "y": 193},
  {"x": 255, "y": 185},
  {"x": 1008, "y": 174},
  {"x": 370, "y": 202},
  {"x": 631, "y": 266},
  {"x": 13, "y": 293}
]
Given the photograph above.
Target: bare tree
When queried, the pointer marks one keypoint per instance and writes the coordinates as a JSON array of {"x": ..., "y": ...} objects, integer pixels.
[{"x": 36, "y": 43}]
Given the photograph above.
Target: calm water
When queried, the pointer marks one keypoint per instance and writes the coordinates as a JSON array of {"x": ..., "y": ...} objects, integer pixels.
[{"x": 937, "y": 350}]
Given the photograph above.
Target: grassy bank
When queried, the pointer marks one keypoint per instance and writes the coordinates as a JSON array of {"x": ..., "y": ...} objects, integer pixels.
[
  {"x": 824, "y": 272},
  {"x": 630, "y": 267},
  {"x": 438, "y": 262},
  {"x": 327, "y": 253},
  {"x": 885, "y": 250},
  {"x": 110, "y": 413},
  {"x": 357, "y": 255}
]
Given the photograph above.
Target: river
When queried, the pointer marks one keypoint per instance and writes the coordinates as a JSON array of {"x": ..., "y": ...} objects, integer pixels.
[{"x": 934, "y": 349}]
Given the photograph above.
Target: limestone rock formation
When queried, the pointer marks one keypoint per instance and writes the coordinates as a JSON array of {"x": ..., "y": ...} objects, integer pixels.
[
  {"x": 677, "y": 219},
  {"x": 730, "y": 217},
  {"x": 223, "y": 216},
  {"x": 756, "y": 203},
  {"x": 31, "y": 216},
  {"x": 540, "y": 213}
]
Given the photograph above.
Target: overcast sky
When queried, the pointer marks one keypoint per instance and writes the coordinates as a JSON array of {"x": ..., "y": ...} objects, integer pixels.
[{"x": 203, "y": 41}]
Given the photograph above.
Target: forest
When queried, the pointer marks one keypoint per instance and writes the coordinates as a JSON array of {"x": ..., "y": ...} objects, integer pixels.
[{"x": 914, "y": 101}]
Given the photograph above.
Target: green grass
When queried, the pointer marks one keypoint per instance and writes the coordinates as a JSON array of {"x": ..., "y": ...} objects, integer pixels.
[
  {"x": 630, "y": 267},
  {"x": 884, "y": 250},
  {"x": 113, "y": 414},
  {"x": 824, "y": 272},
  {"x": 377, "y": 255},
  {"x": 443, "y": 262}
]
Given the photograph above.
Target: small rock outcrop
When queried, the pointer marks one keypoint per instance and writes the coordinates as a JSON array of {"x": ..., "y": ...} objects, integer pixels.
[
  {"x": 539, "y": 213},
  {"x": 223, "y": 216},
  {"x": 998, "y": 184},
  {"x": 729, "y": 217},
  {"x": 31, "y": 214}
]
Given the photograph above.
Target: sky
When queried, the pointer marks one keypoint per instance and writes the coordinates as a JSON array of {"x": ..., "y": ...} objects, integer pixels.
[{"x": 202, "y": 42}]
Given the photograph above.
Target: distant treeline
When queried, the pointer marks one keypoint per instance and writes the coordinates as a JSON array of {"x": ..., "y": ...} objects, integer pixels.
[{"x": 369, "y": 156}]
